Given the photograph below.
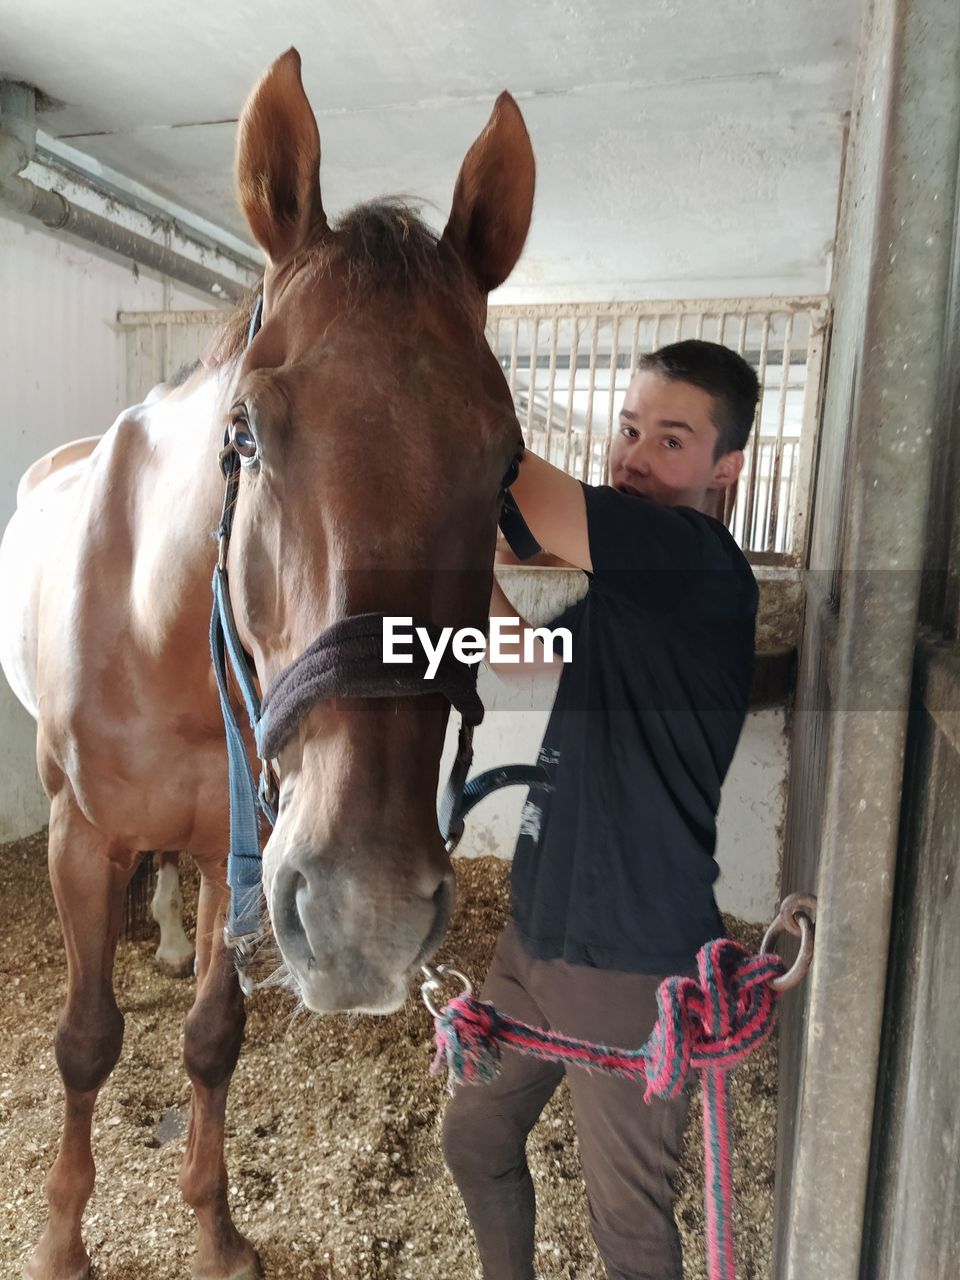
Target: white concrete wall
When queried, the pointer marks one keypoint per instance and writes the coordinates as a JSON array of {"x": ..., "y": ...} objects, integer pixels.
[
  {"x": 62, "y": 375},
  {"x": 751, "y": 813}
]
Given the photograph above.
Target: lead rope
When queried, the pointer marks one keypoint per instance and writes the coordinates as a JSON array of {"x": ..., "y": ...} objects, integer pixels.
[{"x": 707, "y": 1024}]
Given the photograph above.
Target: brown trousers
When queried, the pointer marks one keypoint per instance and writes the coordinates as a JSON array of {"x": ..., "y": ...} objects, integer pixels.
[{"x": 629, "y": 1150}]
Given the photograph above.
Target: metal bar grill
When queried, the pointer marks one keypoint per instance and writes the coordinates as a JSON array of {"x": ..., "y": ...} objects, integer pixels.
[
  {"x": 799, "y": 506},
  {"x": 635, "y": 342},
  {"x": 532, "y": 385},
  {"x": 611, "y": 399},
  {"x": 591, "y": 389},
  {"x": 777, "y": 459},
  {"x": 567, "y": 398},
  {"x": 568, "y": 438},
  {"x": 754, "y": 454},
  {"x": 514, "y": 343},
  {"x": 654, "y": 341}
]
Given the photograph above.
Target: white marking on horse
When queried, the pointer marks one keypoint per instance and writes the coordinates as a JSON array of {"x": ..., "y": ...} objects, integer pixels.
[{"x": 175, "y": 952}]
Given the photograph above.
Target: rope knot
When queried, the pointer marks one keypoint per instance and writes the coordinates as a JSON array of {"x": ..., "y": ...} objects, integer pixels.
[
  {"x": 466, "y": 1036},
  {"x": 714, "y": 1021}
]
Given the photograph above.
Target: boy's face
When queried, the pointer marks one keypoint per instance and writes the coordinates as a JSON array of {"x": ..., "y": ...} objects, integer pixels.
[{"x": 665, "y": 444}]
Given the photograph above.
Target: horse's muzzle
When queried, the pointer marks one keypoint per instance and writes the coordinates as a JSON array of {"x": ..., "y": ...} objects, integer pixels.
[{"x": 353, "y": 939}]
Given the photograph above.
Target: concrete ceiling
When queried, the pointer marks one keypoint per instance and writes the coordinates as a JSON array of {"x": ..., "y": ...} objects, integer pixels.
[{"x": 683, "y": 148}]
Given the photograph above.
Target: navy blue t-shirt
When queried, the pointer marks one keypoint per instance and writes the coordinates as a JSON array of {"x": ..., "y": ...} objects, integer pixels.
[{"x": 614, "y": 867}]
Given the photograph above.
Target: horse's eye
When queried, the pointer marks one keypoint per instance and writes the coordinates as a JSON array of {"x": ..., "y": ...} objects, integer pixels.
[{"x": 244, "y": 442}]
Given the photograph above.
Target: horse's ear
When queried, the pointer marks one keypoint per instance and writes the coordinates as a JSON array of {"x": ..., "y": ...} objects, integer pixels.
[
  {"x": 493, "y": 199},
  {"x": 278, "y": 162}
]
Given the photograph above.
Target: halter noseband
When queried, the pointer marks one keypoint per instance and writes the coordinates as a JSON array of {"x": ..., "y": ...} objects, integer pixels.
[{"x": 345, "y": 660}]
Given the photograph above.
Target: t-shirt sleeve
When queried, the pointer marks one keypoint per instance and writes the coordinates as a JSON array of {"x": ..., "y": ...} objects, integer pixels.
[{"x": 648, "y": 551}]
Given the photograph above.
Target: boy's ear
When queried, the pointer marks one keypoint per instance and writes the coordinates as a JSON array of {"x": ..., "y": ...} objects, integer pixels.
[{"x": 726, "y": 469}]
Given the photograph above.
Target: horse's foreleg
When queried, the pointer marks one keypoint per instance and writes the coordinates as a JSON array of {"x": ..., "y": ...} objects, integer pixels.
[
  {"x": 89, "y": 891},
  {"x": 175, "y": 952},
  {"x": 212, "y": 1037}
]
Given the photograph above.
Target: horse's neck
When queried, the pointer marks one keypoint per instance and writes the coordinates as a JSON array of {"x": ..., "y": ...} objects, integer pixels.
[{"x": 181, "y": 492}]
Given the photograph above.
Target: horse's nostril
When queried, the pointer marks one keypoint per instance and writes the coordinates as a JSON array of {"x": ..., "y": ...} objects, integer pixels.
[
  {"x": 300, "y": 895},
  {"x": 292, "y": 892},
  {"x": 289, "y": 894},
  {"x": 443, "y": 902},
  {"x": 443, "y": 906}
]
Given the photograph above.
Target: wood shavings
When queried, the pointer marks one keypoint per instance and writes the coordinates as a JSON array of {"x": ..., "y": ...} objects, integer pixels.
[{"x": 332, "y": 1127}]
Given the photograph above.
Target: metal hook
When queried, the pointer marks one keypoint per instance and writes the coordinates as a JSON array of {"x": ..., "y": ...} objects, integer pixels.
[
  {"x": 433, "y": 981},
  {"x": 797, "y": 915}
]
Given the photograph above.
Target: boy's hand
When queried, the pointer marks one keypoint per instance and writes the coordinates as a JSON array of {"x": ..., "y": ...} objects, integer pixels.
[{"x": 500, "y": 607}]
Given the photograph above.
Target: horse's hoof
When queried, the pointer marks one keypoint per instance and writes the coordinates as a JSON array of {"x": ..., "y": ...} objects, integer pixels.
[
  {"x": 249, "y": 1269},
  {"x": 38, "y": 1267},
  {"x": 252, "y": 1271},
  {"x": 29, "y": 1274},
  {"x": 175, "y": 966},
  {"x": 26, "y": 1274}
]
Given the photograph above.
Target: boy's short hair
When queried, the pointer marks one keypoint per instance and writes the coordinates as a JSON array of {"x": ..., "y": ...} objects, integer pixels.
[{"x": 724, "y": 375}]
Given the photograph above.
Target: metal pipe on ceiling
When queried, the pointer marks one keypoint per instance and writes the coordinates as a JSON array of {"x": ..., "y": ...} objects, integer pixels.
[{"x": 17, "y": 142}]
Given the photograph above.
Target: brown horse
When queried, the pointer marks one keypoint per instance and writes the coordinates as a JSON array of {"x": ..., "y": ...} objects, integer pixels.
[{"x": 376, "y": 427}]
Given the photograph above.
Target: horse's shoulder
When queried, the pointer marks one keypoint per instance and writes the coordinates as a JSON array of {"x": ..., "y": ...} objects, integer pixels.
[
  {"x": 126, "y": 440},
  {"x": 116, "y": 446},
  {"x": 62, "y": 456}
]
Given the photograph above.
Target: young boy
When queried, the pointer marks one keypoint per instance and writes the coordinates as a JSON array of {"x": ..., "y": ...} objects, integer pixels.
[{"x": 612, "y": 880}]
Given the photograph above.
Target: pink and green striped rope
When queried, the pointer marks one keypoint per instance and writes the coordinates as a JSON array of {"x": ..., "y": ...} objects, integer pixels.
[{"x": 707, "y": 1024}]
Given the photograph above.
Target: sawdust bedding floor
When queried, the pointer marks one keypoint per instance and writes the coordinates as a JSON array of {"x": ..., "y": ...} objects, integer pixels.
[{"x": 332, "y": 1126}]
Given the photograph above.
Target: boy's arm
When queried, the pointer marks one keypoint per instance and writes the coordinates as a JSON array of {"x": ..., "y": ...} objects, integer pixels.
[
  {"x": 553, "y": 507},
  {"x": 500, "y": 607}
]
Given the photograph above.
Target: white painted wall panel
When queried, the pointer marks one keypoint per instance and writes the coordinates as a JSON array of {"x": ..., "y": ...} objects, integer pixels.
[{"x": 62, "y": 375}]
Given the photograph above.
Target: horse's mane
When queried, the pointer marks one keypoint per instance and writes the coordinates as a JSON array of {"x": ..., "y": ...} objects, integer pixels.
[{"x": 383, "y": 247}]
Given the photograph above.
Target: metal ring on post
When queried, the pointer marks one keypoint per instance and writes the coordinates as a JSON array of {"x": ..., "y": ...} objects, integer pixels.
[
  {"x": 797, "y": 915},
  {"x": 433, "y": 981}
]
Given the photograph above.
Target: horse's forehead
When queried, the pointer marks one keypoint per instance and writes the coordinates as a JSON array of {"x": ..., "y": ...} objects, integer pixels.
[
  {"x": 323, "y": 293},
  {"x": 410, "y": 347},
  {"x": 405, "y": 355}
]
